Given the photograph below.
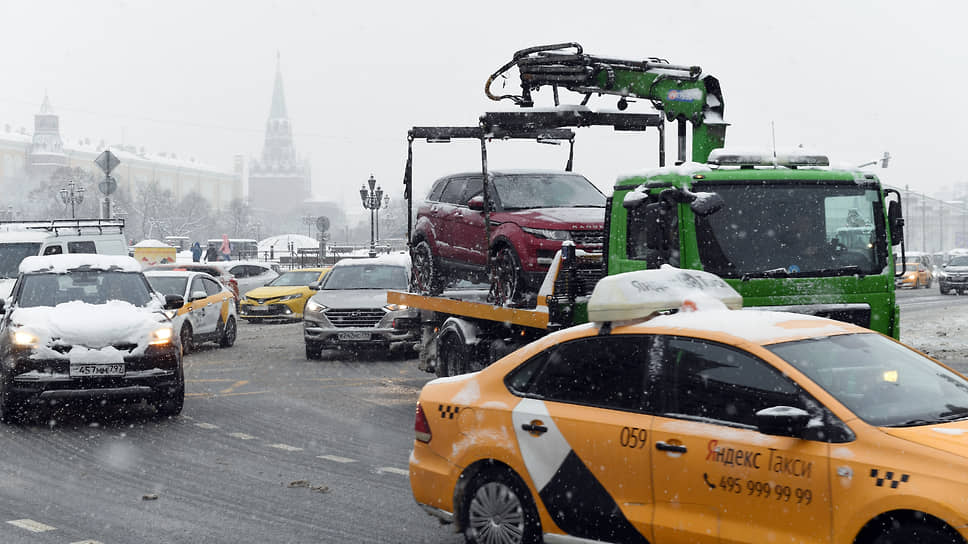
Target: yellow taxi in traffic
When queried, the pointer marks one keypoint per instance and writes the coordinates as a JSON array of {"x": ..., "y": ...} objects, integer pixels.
[
  {"x": 916, "y": 275},
  {"x": 282, "y": 298},
  {"x": 708, "y": 424}
]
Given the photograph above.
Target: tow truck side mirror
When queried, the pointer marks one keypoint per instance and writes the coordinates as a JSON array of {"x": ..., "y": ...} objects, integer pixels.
[
  {"x": 706, "y": 204},
  {"x": 896, "y": 222},
  {"x": 782, "y": 421}
]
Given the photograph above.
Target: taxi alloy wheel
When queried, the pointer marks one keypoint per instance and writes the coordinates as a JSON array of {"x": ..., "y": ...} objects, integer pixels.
[
  {"x": 905, "y": 533},
  {"x": 187, "y": 340},
  {"x": 229, "y": 332},
  {"x": 499, "y": 510}
]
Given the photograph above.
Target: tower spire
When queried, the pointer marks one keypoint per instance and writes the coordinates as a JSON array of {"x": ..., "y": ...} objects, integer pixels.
[{"x": 278, "y": 109}]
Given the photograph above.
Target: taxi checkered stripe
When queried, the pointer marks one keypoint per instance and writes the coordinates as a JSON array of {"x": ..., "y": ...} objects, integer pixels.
[
  {"x": 448, "y": 412},
  {"x": 888, "y": 476}
]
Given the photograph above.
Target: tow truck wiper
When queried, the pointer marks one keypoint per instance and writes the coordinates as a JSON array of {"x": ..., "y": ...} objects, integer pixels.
[{"x": 771, "y": 273}]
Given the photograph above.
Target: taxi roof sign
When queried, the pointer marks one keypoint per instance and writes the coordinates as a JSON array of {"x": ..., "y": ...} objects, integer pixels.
[{"x": 638, "y": 295}]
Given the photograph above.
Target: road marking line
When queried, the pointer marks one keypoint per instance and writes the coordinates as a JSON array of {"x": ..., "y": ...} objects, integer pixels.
[
  {"x": 336, "y": 458},
  {"x": 235, "y": 385},
  {"x": 238, "y": 394},
  {"x": 242, "y": 436},
  {"x": 31, "y": 525},
  {"x": 394, "y": 470},
  {"x": 285, "y": 447},
  {"x": 206, "y": 426},
  {"x": 87, "y": 542},
  {"x": 210, "y": 380}
]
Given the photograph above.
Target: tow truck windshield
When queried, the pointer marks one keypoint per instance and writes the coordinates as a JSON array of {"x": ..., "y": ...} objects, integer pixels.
[{"x": 767, "y": 227}]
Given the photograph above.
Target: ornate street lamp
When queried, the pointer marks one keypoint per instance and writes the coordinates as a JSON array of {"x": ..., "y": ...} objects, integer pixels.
[
  {"x": 372, "y": 200},
  {"x": 72, "y": 194}
]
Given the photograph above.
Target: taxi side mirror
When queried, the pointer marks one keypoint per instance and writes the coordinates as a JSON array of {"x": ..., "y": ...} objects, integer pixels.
[
  {"x": 2, "y": 304},
  {"x": 174, "y": 302},
  {"x": 782, "y": 421}
]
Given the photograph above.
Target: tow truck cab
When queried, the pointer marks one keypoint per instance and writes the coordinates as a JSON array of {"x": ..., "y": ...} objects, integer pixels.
[{"x": 770, "y": 228}]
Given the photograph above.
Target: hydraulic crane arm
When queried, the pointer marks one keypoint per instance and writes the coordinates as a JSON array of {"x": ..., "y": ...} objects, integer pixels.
[{"x": 682, "y": 93}]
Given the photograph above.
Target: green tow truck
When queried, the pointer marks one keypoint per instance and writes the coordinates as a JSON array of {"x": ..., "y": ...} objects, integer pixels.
[{"x": 766, "y": 222}]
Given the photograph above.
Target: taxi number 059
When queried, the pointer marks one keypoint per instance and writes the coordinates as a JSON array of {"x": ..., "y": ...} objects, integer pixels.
[{"x": 632, "y": 437}]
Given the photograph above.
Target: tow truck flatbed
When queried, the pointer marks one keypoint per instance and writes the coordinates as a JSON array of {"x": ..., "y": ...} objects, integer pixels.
[{"x": 468, "y": 306}]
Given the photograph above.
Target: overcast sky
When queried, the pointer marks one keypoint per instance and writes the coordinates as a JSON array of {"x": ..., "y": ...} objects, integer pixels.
[{"x": 853, "y": 79}]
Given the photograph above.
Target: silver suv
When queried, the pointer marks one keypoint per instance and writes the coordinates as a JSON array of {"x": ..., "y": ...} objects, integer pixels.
[{"x": 350, "y": 309}]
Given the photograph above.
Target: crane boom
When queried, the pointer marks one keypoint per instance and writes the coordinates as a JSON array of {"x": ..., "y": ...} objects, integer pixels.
[{"x": 682, "y": 93}]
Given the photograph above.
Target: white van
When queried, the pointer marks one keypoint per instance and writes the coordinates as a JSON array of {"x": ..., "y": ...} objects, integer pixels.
[{"x": 19, "y": 239}]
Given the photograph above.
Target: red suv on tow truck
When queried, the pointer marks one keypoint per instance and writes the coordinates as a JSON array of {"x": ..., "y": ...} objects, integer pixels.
[{"x": 532, "y": 213}]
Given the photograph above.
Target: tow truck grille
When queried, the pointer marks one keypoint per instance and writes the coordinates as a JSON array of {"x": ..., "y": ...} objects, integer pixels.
[
  {"x": 355, "y": 317},
  {"x": 593, "y": 238}
]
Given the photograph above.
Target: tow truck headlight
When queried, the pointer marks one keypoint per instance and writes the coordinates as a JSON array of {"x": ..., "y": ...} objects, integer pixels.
[
  {"x": 313, "y": 306},
  {"x": 161, "y": 336},
  {"x": 23, "y": 338},
  {"x": 289, "y": 297},
  {"x": 548, "y": 234},
  {"x": 395, "y": 307}
]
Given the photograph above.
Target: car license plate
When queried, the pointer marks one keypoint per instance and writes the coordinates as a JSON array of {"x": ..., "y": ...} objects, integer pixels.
[
  {"x": 258, "y": 309},
  {"x": 354, "y": 335},
  {"x": 85, "y": 370}
]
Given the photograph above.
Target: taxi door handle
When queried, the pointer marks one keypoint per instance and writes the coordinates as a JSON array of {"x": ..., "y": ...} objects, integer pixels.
[
  {"x": 664, "y": 446},
  {"x": 534, "y": 428}
]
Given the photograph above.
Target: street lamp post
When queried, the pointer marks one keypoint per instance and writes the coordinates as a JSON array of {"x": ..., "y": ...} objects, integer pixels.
[
  {"x": 72, "y": 194},
  {"x": 372, "y": 200}
]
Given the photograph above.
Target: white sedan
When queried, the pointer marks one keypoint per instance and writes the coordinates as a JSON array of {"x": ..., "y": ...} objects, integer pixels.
[{"x": 209, "y": 313}]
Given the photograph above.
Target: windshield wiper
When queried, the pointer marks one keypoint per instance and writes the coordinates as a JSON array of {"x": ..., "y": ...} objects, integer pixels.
[
  {"x": 948, "y": 418},
  {"x": 771, "y": 273},
  {"x": 849, "y": 270}
]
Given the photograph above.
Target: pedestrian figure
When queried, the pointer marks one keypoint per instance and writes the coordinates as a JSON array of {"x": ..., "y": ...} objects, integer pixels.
[
  {"x": 211, "y": 254},
  {"x": 196, "y": 252},
  {"x": 226, "y": 248}
]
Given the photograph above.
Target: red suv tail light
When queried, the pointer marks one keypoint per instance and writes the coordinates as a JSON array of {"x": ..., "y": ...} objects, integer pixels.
[{"x": 421, "y": 426}]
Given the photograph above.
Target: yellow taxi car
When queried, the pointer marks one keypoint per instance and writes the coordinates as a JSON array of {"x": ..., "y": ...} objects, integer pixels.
[
  {"x": 282, "y": 298},
  {"x": 917, "y": 274},
  {"x": 708, "y": 424},
  {"x": 208, "y": 313}
]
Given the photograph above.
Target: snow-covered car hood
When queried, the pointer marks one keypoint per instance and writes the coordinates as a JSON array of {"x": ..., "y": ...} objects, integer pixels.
[
  {"x": 557, "y": 218},
  {"x": 352, "y": 298},
  {"x": 93, "y": 326}
]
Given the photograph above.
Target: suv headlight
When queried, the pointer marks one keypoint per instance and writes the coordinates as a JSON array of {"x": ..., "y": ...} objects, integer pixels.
[
  {"x": 313, "y": 306},
  {"x": 289, "y": 297},
  {"x": 548, "y": 234},
  {"x": 161, "y": 336},
  {"x": 23, "y": 338}
]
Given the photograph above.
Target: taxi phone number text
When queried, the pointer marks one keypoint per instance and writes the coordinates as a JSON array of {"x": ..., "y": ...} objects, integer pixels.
[{"x": 766, "y": 490}]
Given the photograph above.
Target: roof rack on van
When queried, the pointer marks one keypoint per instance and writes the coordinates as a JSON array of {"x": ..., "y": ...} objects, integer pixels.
[{"x": 56, "y": 226}]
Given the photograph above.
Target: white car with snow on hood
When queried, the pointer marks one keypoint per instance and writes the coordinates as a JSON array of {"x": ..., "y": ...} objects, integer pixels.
[{"x": 87, "y": 326}]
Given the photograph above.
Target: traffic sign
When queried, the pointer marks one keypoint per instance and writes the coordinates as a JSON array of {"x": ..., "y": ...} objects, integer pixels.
[
  {"x": 108, "y": 185},
  {"x": 107, "y": 162},
  {"x": 322, "y": 223}
]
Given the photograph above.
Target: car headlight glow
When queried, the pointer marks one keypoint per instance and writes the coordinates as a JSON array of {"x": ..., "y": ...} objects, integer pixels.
[
  {"x": 23, "y": 338},
  {"x": 289, "y": 297},
  {"x": 161, "y": 336},
  {"x": 313, "y": 306},
  {"x": 395, "y": 307},
  {"x": 548, "y": 234}
]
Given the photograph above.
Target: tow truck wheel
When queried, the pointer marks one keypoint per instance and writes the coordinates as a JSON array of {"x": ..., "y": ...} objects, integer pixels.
[
  {"x": 451, "y": 354},
  {"x": 498, "y": 508},
  {"x": 508, "y": 280},
  {"x": 426, "y": 274}
]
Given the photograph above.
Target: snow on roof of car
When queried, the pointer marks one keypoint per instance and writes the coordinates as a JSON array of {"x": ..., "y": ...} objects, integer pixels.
[
  {"x": 23, "y": 236},
  {"x": 393, "y": 259},
  {"x": 152, "y": 243},
  {"x": 174, "y": 273},
  {"x": 757, "y": 325},
  {"x": 60, "y": 264}
]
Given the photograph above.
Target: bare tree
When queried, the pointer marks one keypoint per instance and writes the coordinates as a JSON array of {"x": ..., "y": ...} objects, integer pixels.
[{"x": 45, "y": 200}]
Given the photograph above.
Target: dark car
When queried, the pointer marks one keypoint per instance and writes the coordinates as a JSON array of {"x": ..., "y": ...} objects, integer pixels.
[
  {"x": 87, "y": 326},
  {"x": 532, "y": 213},
  {"x": 954, "y": 275}
]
